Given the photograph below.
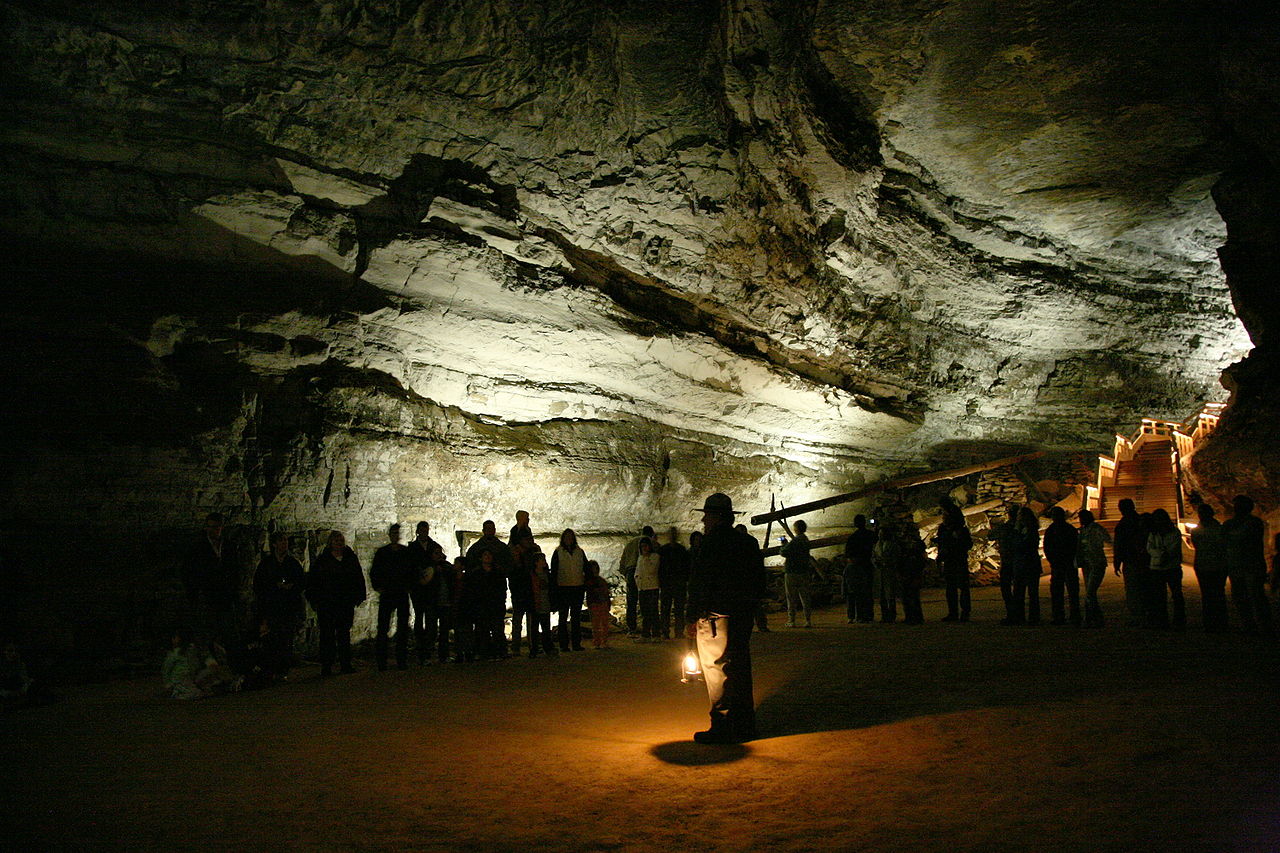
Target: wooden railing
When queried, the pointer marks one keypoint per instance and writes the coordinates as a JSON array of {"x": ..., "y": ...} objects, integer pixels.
[{"x": 1186, "y": 437}]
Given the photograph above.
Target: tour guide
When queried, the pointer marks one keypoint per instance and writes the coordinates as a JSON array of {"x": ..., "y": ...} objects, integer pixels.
[{"x": 726, "y": 584}]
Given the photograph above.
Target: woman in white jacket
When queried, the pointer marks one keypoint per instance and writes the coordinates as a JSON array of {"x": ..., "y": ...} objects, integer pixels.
[{"x": 568, "y": 579}]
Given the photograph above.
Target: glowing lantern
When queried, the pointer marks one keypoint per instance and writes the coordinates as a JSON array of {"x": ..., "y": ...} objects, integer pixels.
[{"x": 690, "y": 670}]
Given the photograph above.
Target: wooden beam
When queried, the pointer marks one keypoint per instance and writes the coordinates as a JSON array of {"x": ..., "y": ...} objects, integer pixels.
[
  {"x": 839, "y": 539},
  {"x": 900, "y": 483},
  {"x": 824, "y": 542}
]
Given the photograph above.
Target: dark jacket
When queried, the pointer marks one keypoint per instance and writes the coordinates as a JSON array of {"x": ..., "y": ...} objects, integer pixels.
[
  {"x": 1243, "y": 538},
  {"x": 333, "y": 585},
  {"x": 796, "y": 554},
  {"x": 484, "y": 594},
  {"x": 503, "y": 561},
  {"x": 394, "y": 569},
  {"x": 419, "y": 555},
  {"x": 521, "y": 580},
  {"x": 673, "y": 566},
  {"x": 517, "y": 533},
  {"x": 206, "y": 572},
  {"x": 1060, "y": 543},
  {"x": 953, "y": 541},
  {"x": 859, "y": 547},
  {"x": 727, "y": 575},
  {"x": 911, "y": 557},
  {"x": 266, "y": 584},
  {"x": 1130, "y": 544}
]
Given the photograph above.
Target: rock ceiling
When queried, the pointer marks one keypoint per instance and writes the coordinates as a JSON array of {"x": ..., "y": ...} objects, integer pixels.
[{"x": 870, "y": 233}]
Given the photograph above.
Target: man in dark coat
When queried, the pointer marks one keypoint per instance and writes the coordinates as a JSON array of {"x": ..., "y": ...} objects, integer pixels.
[
  {"x": 953, "y": 542},
  {"x": 1244, "y": 541},
  {"x": 211, "y": 578},
  {"x": 673, "y": 583},
  {"x": 392, "y": 574},
  {"x": 726, "y": 584},
  {"x": 424, "y": 591},
  {"x": 1061, "y": 541},
  {"x": 277, "y": 589},
  {"x": 525, "y": 552},
  {"x": 858, "y": 549},
  {"x": 1130, "y": 559},
  {"x": 504, "y": 565}
]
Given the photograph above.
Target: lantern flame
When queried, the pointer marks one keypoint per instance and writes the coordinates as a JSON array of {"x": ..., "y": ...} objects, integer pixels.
[{"x": 690, "y": 670}]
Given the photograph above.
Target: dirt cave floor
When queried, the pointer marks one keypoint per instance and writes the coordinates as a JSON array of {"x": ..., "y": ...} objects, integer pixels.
[{"x": 873, "y": 737}]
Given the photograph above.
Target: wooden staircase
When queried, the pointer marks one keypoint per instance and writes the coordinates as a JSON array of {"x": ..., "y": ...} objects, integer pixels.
[
  {"x": 1146, "y": 467},
  {"x": 1149, "y": 478}
]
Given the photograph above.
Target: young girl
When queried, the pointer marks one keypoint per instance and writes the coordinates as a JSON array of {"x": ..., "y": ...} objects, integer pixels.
[
  {"x": 647, "y": 583},
  {"x": 179, "y": 669},
  {"x": 540, "y": 576},
  {"x": 598, "y": 602}
]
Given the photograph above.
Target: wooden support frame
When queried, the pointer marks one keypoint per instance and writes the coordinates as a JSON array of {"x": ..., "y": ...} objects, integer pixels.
[{"x": 900, "y": 483}]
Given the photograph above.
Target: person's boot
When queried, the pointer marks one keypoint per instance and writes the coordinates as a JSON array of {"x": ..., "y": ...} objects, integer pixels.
[{"x": 716, "y": 735}]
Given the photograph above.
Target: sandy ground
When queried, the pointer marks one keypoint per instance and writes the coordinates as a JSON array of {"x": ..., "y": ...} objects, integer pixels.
[{"x": 874, "y": 737}]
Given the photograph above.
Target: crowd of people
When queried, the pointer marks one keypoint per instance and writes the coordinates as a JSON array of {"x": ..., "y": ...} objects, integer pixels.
[
  {"x": 452, "y": 610},
  {"x": 456, "y": 610}
]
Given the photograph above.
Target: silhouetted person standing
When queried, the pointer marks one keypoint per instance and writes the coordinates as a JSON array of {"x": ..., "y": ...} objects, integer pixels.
[
  {"x": 1211, "y": 569},
  {"x": 335, "y": 587},
  {"x": 1164, "y": 546},
  {"x": 393, "y": 573},
  {"x": 673, "y": 584},
  {"x": 1130, "y": 558},
  {"x": 798, "y": 575},
  {"x": 211, "y": 578},
  {"x": 725, "y": 587},
  {"x": 859, "y": 549},
  {"x": 1026, "y": 580},
  {"x": 503, "y": 566},
  {"x": 424, "y": 591},
  {"x": 520, "y": 530},
  {"x": 953, "y": 542},
  {"x": 627, "y": 565},
  {"x": 1061, "y": 542},
  {"x": 1244, "y": 535},
  {"x": 911, "y": 563},
  {"x": 1006, "y": 536},
  {"x": 485, "y": 603},
  {"x": 886, "y": 557},
  {"x": 277, "y": 589},
  {"x": 525, "y": 551},
  {"x": 1091, "y": 557}
]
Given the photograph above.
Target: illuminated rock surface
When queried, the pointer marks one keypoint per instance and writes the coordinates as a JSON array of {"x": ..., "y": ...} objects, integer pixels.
[{"x": 365, "y": 262}]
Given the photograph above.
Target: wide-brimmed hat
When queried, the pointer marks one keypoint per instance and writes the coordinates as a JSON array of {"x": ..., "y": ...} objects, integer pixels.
[{"x": 719, "y": 502}]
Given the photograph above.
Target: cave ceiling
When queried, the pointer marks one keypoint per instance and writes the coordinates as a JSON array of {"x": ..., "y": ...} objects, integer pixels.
[{"x": 874, "y": 232}]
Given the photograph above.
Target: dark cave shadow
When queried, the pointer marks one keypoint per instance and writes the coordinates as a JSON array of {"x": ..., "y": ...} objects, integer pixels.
[
  {"x": 930, "y": 670},
  {"x": 687, "y": 753}
]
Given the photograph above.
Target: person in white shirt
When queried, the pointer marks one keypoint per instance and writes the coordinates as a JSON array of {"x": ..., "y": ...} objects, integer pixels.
[{"x": 647, "y": 563}]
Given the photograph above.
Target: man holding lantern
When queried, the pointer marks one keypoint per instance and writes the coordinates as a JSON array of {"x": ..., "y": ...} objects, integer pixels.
[{"x": 726, "y": 583}]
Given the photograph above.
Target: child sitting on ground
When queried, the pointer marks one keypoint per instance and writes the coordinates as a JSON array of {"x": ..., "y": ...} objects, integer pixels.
[{"x": 180, "y": 666}]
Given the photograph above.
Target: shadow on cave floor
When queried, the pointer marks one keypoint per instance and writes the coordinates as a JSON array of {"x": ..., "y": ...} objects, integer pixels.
[{"x": 874, "y": 674}]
